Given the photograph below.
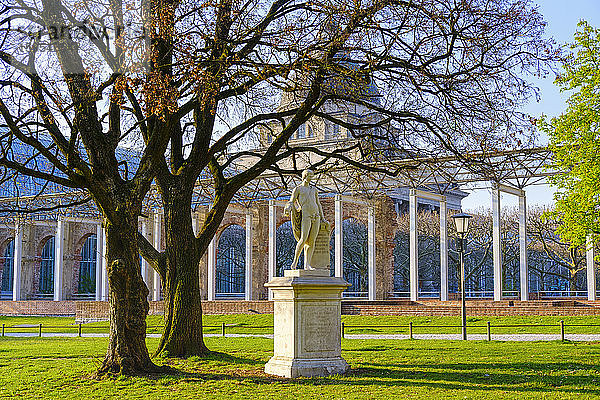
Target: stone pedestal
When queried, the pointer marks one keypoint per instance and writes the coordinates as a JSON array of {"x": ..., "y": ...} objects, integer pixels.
[{"x": 307, "y": 319}]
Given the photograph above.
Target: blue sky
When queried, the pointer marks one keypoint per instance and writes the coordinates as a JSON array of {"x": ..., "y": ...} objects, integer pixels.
[{"x": 562, "y": 18}]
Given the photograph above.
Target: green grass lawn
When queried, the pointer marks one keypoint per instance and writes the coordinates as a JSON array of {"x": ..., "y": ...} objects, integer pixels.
[
  {"x": 263, "y": 323},
  {"x": 55, "y": 368}
]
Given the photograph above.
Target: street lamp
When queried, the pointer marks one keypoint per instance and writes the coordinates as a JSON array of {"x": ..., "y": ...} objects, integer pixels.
[{"x": 462, "y": 227}]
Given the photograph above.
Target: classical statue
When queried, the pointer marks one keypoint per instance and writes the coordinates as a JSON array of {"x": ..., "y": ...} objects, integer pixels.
[{"x": 307, "y": 218}]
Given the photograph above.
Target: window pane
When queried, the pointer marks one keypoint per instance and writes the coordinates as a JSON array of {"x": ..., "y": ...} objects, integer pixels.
[
  {"x": 6, "y": 263},
  {"x": 231, "y": 261},
  {"x": 87, "y": 266},
  {"x": 47, "y": 268}
]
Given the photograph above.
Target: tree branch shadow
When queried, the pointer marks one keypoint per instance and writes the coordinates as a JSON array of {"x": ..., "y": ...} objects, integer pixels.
[{"x": 507, "y": 377}]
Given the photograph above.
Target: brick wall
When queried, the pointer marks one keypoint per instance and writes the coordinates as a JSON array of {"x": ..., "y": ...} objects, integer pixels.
[
  {"x": 92, "y": 311},
  {"x": 474, "y": 308},
  {"x": 38, "y": 308},
  {"x": 88, "y": 311}
]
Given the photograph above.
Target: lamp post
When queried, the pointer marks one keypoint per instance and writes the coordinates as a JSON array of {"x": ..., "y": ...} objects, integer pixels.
[{"x": 462, "y": 227}]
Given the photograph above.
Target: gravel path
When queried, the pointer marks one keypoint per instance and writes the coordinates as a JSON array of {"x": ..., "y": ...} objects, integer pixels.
[
  {"x": 501, "y": 337},
  {"x": 526, "y": 337}
]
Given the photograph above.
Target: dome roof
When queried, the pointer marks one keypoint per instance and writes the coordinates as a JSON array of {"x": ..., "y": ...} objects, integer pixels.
[{"x": 352, "y": 82}]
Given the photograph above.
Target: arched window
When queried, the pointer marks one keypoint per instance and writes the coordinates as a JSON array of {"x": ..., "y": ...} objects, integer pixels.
[
  {"x": 47, "y": 268},
  {"x": 6, "y": 265},
  {"x": 401, "y": 264},
  {"x": 87, "y": 266},
  {"x": 231, "y": 262}
]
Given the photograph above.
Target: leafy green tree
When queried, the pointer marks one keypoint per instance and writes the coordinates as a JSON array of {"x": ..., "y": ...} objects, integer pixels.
[{"x": 574, "y": 139}]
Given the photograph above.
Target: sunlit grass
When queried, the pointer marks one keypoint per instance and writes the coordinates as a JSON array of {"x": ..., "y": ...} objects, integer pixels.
[{"x": 50, "y": 368}]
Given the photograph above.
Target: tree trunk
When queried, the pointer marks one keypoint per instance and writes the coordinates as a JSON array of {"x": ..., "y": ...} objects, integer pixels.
[
  {"x": 573, "y": 281},
  {"x": 182, "y": 336},
  {"x": 127, "y": 352}
]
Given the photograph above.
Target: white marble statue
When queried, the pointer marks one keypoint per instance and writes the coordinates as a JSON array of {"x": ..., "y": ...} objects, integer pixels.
[{"x": 307, "y": 218}]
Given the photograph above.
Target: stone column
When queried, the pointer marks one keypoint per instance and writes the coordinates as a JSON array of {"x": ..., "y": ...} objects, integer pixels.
[
  {"x": 99, "y": 246},
  {"x": 104, "y": 268},
  {"x": 272, "y": 244},
  {"x": 195, "y": 223},
  {"x": 339, "y": 237},
  {"x": 523, "y": 267},
  {"x": 212, "y": 269},
  {"x": 413, "y": 246},
  {"x": 157, "y": 238},
  {"x": 248, "y": 275},
  {"x": 17, "y": 260},
  {"x": 496, "y": 243},
  {"x": 591, "y": 270},
  {"x": 443, "y": 251},
  {"x": 371, "y": 253},
  {"x": 145, "y": 269},
  {"x": 59, "y": 248},
  {"x": 307, "y": 324}
]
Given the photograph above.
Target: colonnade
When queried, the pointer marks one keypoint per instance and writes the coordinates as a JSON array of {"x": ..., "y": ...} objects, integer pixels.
[
  {"x": 59, "y": 256},
  {"x": 497, "y": 189},
  {"x": 152, "y": 228}
]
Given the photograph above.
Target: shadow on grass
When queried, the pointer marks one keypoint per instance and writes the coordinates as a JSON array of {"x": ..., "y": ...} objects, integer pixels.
[
  {"x": 214, "y": 366},
  {"x": 228, "y": 359},
  {"x": 509, "y": 377},
  {"x": 214, "y": 358},
  {"x": 368, "y": 349}
]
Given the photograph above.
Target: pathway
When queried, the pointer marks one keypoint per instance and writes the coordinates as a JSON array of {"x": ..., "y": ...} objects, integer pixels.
[{"x": 526, "y": 337}]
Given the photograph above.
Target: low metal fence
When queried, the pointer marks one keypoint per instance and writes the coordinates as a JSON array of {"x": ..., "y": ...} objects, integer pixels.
[
  {"x": 488, "y": 327},
  {"x": 37, "y": 330}
]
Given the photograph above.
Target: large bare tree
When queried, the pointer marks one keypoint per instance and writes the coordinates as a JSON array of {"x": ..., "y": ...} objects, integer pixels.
[
  {"x": 71, "y": 87},
  {"x": 403, "y": 79}
]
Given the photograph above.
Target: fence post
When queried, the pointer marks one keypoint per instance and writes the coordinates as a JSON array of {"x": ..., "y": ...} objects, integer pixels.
[
  {"x": 79, "y": 330},
  {"x": 222, "y": 328},
  {"x": 40, "y": 334},
  {"x": 343, "y": 333},
  {"x": 562, "y": 330},
  {"x": 489, "y": 331},
  {"x": 2, "y": 329},
  {"x": 410, "y": 331}
]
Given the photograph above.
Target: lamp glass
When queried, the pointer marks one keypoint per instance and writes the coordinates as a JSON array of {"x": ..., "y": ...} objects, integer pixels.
[{"x": 462, "y": 222}]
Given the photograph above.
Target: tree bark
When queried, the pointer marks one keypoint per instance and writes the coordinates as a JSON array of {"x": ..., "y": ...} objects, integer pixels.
[
  {"x": 127, "y": 352},
  {"x": 182, "y": 336}
]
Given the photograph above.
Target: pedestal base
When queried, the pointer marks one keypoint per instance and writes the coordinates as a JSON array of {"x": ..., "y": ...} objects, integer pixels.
[
  {"x": 307, "y": 324},
  {"x": 293, "y": 368}
]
